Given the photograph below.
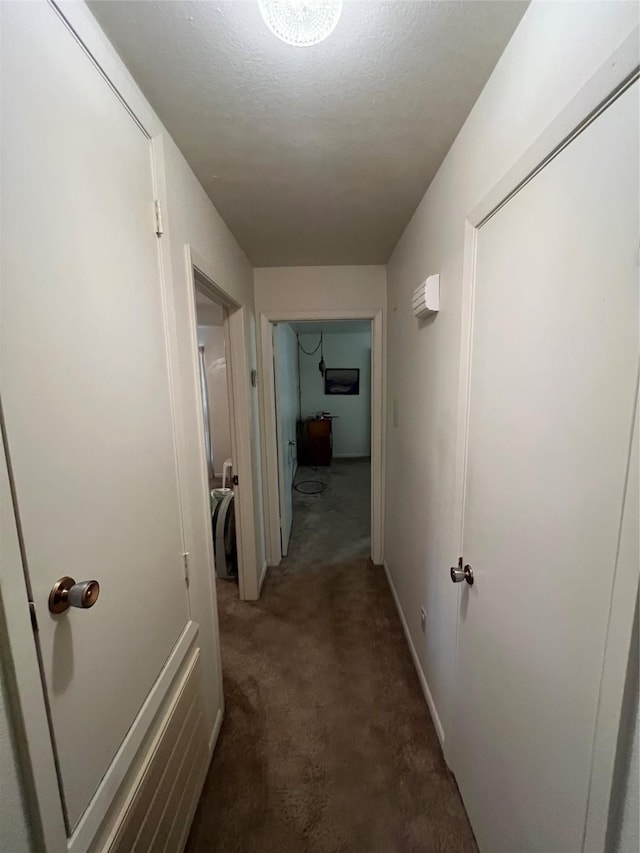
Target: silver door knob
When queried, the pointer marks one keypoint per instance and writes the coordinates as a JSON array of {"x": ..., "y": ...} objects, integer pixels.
[
  {"x": 67, "y": 593},
  {"x": 459, "y": 574}
]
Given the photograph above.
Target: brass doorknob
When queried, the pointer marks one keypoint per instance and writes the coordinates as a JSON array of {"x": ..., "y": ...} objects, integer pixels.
[{"x": 67, "y": 593}]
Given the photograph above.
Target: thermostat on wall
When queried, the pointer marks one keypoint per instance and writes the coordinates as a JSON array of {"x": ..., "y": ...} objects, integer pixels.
[{"x": 426, "y": 298}]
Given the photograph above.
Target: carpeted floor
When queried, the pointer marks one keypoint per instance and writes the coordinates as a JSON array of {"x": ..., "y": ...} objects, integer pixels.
[
  {"x": 327, "y": 744},
  {"x": 334, "y": 525}
]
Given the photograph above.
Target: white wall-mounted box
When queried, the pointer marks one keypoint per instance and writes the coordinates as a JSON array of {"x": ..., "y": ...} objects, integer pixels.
[{"x": 426, "y": 298}]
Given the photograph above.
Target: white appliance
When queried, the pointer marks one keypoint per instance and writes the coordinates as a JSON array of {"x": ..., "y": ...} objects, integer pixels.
[{"x": 223, "y": 521}]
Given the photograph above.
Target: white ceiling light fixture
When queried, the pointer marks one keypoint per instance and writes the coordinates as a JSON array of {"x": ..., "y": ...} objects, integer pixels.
[{"x": 301, "y": 23}]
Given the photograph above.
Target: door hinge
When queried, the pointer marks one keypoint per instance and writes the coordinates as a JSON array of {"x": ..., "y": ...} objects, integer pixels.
[
  {"x": 34, "y": 618},
  {"x": 235, "y": 480},
  {"x": 158, "y": 209},
  {"x": 185, "y": 559}
]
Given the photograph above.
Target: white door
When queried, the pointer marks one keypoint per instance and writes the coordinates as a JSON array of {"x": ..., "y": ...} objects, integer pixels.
[
  {"x": 85, "y": 390},
  {"x": 554, "y": 371},
  {"x": 286, "y": 390}
]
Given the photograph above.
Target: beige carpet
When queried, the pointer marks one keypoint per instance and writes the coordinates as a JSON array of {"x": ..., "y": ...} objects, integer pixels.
[{"x": 327, "y": 744}]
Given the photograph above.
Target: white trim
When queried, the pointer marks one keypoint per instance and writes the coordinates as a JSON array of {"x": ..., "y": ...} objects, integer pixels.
[
  {"x": 378, "y": 408},
  {"x": 213, "y": 740},
  {"x": 284, "y": 489},
  {"x": 416, "y": 661},
  {"x": 615, "y": 660},
  {"x": 101, "y": 801},
  {"x": 620, "y": 65},
  {"x": 269, "y": 439},
  {"x": 608, "y": 78},
  {"x": 240, "y": 543},
  {"x": 268, "y": 431},
  {"x": 240, "y": 373},
  {"x": 93, "y": 40},
  {"x": 263, "y": 573}
]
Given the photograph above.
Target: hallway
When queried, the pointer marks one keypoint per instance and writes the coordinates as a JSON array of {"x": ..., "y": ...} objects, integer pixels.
[
  {"x": 327, "y": 744},
  {"x": 397, "y": 241},
  {"x": 333, "y": 526}
]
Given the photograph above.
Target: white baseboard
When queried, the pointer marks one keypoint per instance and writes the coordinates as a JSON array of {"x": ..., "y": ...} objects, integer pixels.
[
  {"x": 263, "y": 575},
  {"x": 416, "y": 660}
]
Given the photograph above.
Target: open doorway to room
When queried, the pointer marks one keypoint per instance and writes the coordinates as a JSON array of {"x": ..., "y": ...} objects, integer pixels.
[
  {"x": 321, "y": 408},
  {"x": 216, "y": 426},
  {"x": 222, "y": 408}
]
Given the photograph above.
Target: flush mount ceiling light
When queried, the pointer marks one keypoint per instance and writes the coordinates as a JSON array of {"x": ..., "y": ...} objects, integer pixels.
[{"x": 301, "y": 23}]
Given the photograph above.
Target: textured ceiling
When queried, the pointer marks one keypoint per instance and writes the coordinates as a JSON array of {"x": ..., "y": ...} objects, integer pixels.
[{"x": 312, "y": 155}]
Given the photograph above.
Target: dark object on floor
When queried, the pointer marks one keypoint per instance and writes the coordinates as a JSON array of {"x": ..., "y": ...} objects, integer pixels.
[
  {"x": 327, "y": 744},
  {"x": 225, "y": 550},
  {"x": 318, "y": 441},
  {"x": 302, "y": 451},
  {"x": 310, "y": 487}
]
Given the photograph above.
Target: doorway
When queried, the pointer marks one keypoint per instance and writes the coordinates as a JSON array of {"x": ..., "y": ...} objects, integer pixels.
[
  {"x": 216, "y": 427},
  {"x": 322, "y": 411},
  {"x": 323, "y": 437},
  {"x": 221, "y": 374}
]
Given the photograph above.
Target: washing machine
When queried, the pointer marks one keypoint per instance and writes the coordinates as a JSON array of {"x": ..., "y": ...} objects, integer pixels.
[{"x": 223, "y": 521}]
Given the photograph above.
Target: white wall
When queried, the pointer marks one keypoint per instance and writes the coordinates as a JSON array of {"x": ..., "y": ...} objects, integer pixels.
[
  {"x": 352, "y": 428},
  {"x": 300, "y": 289},
  {"x": 212, "y": 339},
  {"x": 554, "y": 51}
]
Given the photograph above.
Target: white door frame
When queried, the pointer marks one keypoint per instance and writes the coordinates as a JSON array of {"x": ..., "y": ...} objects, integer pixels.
[
  {"x": 279, "y": 447},
  {"x": 269, "y": 439},
  {"x": 239, "y": 417},
  {"x": 615, "y": 74}
]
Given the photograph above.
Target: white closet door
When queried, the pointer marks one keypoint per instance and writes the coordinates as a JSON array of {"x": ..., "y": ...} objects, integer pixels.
[
  {"x": 286, "y": 390},
  {"x": 554, "y": 371},
  {"x": 85, "y": 390}
]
